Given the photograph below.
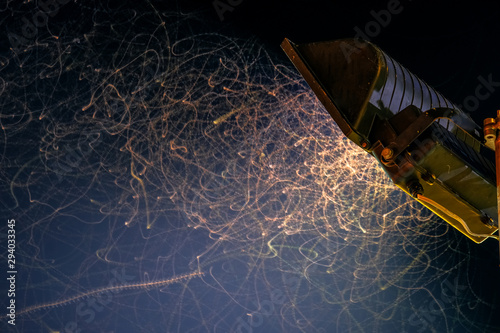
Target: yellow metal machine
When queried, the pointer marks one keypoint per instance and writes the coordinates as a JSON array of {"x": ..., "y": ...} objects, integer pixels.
[{"x": 430, "y": 148}]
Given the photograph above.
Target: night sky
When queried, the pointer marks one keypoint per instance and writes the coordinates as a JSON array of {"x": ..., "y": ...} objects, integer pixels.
[
  {"x": 448, "y": 44},
  {"x": 170, "y": 171}
]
